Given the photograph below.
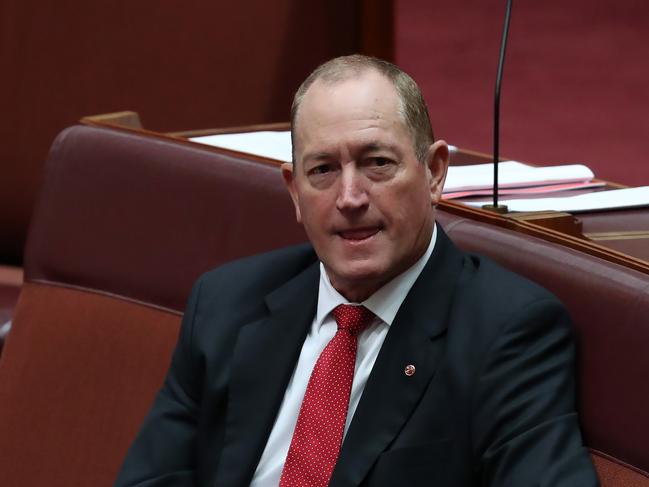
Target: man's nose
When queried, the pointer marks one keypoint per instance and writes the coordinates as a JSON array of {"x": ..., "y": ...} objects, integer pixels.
[{"x": 352, "y": 192}]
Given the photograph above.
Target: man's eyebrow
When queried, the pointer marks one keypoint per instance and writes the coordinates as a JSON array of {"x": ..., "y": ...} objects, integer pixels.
[
  {"x": 378, "y": 146},
  {"x": 372, "y": 146},
  {"x": 317, "y": 156}
]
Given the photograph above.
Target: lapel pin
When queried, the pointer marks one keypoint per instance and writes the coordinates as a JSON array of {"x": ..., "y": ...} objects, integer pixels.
[{"x": 409, "y": 370}]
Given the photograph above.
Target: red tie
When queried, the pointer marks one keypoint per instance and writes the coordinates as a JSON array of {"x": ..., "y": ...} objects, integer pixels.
[{"x": 319, "y": 430}]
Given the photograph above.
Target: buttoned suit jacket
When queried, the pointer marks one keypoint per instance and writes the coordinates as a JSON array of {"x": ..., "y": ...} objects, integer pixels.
[{"x": 491, "y": 402}]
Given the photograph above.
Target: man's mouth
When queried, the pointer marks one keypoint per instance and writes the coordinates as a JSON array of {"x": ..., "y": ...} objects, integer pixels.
[{"x": 358, "y": 234}]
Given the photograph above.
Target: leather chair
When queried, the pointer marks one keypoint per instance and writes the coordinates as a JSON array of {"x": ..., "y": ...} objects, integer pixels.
[
  {"x": 124, "y": 224},
  {"x": 609, "y": 304}
]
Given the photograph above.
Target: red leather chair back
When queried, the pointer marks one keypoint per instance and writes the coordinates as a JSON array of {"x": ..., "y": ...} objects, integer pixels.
[
  {"x": 124, "y": 225},
  {"x": 609, "y": 305}
]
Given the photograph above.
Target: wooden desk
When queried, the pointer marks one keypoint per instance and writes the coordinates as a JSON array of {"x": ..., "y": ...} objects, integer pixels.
[{"x": 619, "y": 236}]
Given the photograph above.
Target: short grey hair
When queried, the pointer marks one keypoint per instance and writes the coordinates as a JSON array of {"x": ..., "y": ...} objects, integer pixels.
[{"x": 413, "y": 108}]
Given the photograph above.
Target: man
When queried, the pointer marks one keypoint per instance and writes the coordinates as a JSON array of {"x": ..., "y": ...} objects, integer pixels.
[{"x": 438, "y": 378}]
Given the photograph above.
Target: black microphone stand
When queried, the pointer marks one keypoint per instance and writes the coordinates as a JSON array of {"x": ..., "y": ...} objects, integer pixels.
[{"x": 499, "y": 76}]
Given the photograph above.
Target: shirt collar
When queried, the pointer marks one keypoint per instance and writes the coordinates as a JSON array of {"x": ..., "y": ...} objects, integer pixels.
[{"x": 385, "y": 302}]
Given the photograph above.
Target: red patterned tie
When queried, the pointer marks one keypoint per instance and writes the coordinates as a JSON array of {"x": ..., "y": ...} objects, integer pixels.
[{"x": 319, "y": 430}]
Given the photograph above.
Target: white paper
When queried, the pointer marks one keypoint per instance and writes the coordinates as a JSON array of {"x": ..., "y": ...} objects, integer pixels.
[
  {"x": 601, "y": 200},
  {"x": 512, "y": 174},
  {"x": 272, "y": 144}
]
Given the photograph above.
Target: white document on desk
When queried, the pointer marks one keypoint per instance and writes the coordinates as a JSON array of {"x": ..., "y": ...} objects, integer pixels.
[
  {"x": 600, "y": 200},
  {"x": 512, "y": 174},
  {"x": 272, "y": 144}
]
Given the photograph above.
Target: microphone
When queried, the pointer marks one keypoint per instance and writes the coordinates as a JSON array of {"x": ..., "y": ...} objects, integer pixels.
[{"x": 499, "y": 76}]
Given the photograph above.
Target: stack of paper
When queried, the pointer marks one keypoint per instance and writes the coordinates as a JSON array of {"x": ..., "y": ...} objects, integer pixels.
[
  {"x": 516, "y": 178},
  {"x": 601, "y": 200},
  {"x": 272, "y": 144}
]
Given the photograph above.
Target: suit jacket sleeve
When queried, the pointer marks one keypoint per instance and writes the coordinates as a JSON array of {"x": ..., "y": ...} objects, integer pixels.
[
  {"x": 525, "y": 427},
  {"x": 163, "y": 452}
]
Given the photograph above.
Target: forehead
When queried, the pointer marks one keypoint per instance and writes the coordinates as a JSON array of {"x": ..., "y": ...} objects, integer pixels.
[
  {"x": 363, "y": 102},
  {"x": 368, "y": 87}
]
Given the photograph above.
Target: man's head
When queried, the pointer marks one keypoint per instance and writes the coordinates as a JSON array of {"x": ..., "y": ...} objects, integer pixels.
[
  {"x": 365, "y": 176},
  {"x": 412, "y": 107}
]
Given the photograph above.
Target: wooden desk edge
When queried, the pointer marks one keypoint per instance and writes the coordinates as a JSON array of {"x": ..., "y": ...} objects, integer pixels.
[{"x": 503, "y": 221}]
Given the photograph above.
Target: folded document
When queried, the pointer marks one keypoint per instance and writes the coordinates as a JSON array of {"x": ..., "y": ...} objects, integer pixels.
[
  {"x": 516, "y": 178},
  {"x": 600, "y": 200}
]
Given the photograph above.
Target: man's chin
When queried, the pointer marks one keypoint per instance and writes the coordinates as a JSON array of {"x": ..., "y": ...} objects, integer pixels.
[{"x": 357, "y": 280}]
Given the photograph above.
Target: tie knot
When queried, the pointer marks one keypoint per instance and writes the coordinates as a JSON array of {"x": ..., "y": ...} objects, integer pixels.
[{"x": 352, "y": 318}]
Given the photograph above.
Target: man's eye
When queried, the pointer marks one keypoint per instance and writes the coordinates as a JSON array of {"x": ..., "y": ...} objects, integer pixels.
[
  {"x": 380, "y": 161},
  {"x": 321, "y": 169}
]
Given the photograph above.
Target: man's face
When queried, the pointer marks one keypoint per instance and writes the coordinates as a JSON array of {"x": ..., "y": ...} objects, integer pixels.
[{"x": 363, "y": 197}]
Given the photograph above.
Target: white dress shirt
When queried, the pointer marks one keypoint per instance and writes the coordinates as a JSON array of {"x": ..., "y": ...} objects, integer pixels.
[{"x": 384, "y": 303}]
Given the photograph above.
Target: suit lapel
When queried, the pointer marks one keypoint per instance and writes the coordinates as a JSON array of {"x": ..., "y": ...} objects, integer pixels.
[
  {"x": 415, "y": 338},
  {"x": 263, "y": 360}
]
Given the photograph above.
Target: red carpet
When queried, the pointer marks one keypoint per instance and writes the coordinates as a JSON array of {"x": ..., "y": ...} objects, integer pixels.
[{"x": 576, "y": 80}]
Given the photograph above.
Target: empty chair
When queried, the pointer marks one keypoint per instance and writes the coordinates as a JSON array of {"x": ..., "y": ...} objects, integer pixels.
[{"x": 124, "y": 225}]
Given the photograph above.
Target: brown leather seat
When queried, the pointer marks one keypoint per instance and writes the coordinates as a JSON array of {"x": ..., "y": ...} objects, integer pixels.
[
  {"x": 124, "y": 225},
  {"x": 609, "y": 305}
]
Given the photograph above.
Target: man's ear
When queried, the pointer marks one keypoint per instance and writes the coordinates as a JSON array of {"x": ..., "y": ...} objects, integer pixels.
[
  {"x": 437, "y": 161},
  {"x": 289, "y": 179}
]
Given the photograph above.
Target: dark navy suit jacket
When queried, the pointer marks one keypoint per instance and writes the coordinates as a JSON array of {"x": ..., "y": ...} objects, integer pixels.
[{"x": 492, "y": 401}]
